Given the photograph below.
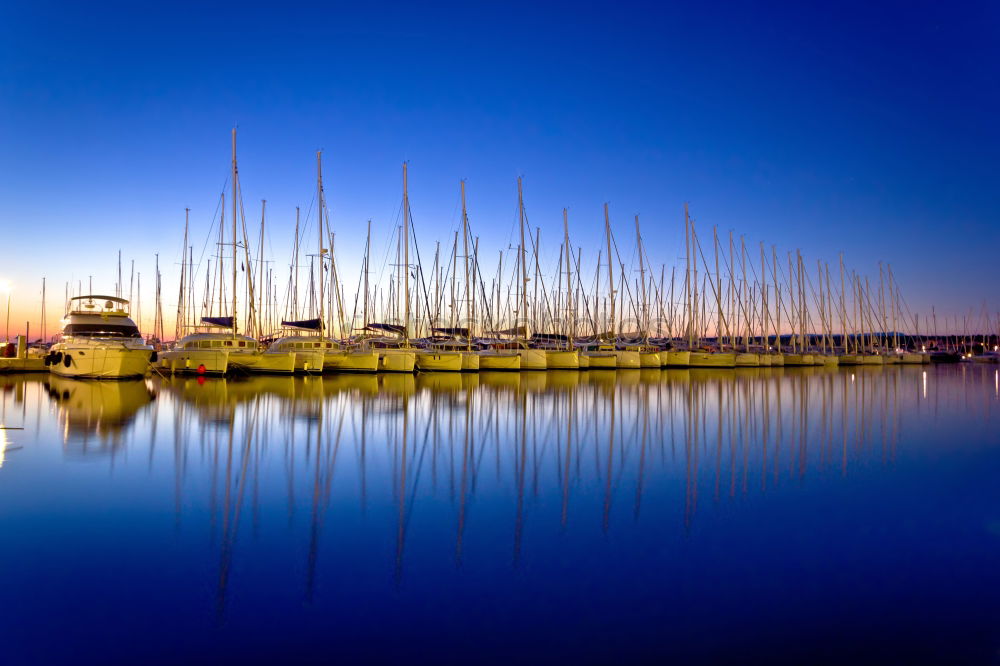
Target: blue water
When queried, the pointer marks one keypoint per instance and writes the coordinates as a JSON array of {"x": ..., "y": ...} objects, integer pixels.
[{"x": 758, "y": 516}]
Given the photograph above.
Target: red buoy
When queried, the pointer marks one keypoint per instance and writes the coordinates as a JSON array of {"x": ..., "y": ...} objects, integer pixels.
[{"x": 201, "y": 369}]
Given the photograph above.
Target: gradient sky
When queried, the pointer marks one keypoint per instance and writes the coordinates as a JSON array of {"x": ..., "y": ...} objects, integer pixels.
[{"x": 868, "y": 128}]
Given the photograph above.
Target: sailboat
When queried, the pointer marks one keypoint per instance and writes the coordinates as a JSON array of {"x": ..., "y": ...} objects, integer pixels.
[
  {"x": 395, "y": 354},
  {"x": 202, "y": 352},
  {"x": 317, "y": 353},
  {"x": 650, "y": 356},
  {"x": 470, "y": 356},
  {"x": 455, "y": 338},
  {"x": 425, "y": 359},
  {"x": 746, "y": 358},
  {"x": 560, "y": 351},
  {"x": 531, "y": 358},
  {"x": 705, "y": 357},
  {"x": 625, "y": 358}
]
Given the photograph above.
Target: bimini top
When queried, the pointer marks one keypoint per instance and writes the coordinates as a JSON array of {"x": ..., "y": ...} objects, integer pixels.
[
  {"x": 99, "y": 297},
  {"x": 98, "y": 304}
]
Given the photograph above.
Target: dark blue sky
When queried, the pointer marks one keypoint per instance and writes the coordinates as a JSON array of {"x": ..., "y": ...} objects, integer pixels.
[{"x": 864, "y": 128}]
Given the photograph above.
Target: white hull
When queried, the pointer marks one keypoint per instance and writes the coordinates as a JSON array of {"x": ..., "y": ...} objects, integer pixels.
[
  {"x": 532, "y": 359},
  {"x": 194, "y": 361},
  {"x": 438, "y": 361},
  {"x": 562, "y": 359},
  {"x": 396, "y": 360},
  {"x": 499, "y": 360},
  {"x": 355, "y": 360},
  {"x": 96, "y": 361},
  {"x": 309, "y": 362},
  {"x": 267, "y": 363}
]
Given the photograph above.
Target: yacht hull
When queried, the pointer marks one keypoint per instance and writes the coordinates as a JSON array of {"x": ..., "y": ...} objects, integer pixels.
[
  {"x": 676, "y": 358},
  {"x": 263, "y": 363},
  {"x": 562, "y": 359},
  {"x": 470, "y": 361},
  {"x": 194, "y": 361},
  {"x": 396, "y": 360},
  {"x": 491, "y": 360},
  {"x": 352, "y": 361},
  {"x": 532, "y": 359},
  {"x": 798, "y": 359},
  {"x": 651, "y": 359},
  {"x": 627, "y": 360},
  {"x": 712, "y": 359},
  {"x": 437, "y": 361},
  {"x": 100, "y": 362},
  {"x": 600, "y": 360},
  {"x": 310, "y": 362}
]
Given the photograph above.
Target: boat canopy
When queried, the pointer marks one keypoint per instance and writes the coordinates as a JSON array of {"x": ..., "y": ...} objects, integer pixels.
[
  {"x": 391, "y": 328},
  {"x": 97, "y": 304},
  {"x": 519, "y": 331},
  {"x": 99, "y": 297},
  {"x": 224, "y": 322},
  {"x": 550, "y": 337},
  {"x": 304, "y": 325},
  {"x": 460, "y": 332}
]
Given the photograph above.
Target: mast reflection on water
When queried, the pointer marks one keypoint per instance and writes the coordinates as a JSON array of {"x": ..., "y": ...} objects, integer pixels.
[{"x": 310, "y": 481}]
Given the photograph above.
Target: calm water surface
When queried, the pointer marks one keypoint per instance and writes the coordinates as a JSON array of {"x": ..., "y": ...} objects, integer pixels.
[{"x": 758, "y": 516}]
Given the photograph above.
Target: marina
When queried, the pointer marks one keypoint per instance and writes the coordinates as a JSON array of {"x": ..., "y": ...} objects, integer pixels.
[
  {"x": 531, "y": 318},
  {"x": 411, "y": 333}
]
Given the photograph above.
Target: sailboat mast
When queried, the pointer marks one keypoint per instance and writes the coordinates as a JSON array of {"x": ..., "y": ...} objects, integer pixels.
[
  {"x": 745, "y": 294},
  {"x": 468, "y": 280},
  {"x": 181, "y": 301},
  {"x": 822, "y": 304},
  {"x": 261, "y": 288},
  {"x": 642, "y": 279},
  {"x": 892, "y": 301},
  {"x": 718, "y": 291},
  {"x": 829, "y": 308},
  {"x": 522, "y": 258},
  {"x": 881, "y": 305},
  {"x": 406, "y": 259},
  {"x": 537, "y": 280},
  {"x": 319, "y": 207},
  {"x": 368, "y": 244},
  {"x": 570, "y": 312},
  {"x": 777, "y": 298},
  {"x": 235, "y": 207},
  {"x": 611, "y": 273},
  {"x": 765, "y": 314},
  {"x": 843, "y": 305},
  {"x": 687, "y": 276},
  {"x": 295, "y": 270}
]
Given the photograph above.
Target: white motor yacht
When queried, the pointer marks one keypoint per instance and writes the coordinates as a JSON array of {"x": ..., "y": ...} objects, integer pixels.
[{"x": 99, "y": 340}]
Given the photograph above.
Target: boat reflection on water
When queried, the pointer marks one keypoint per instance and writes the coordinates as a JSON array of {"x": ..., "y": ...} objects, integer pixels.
[
  {"x": 351, "y": 481},
  {"x": 96, "y": 415}
]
